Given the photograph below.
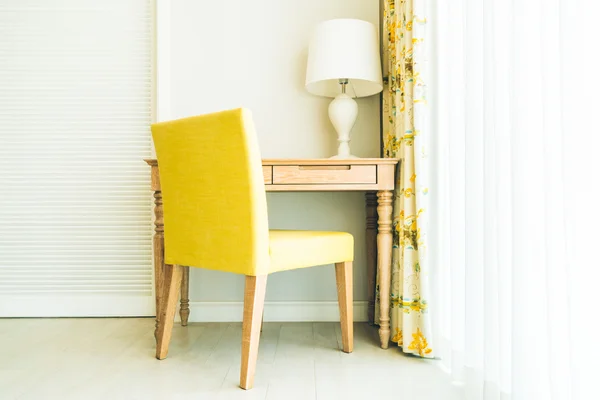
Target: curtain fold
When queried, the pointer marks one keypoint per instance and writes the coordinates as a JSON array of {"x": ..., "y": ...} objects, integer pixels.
[
  {"x": 498, "y": 139},
  {"x": 513, "y": 100},
  {"x": 406, "y": 136}
]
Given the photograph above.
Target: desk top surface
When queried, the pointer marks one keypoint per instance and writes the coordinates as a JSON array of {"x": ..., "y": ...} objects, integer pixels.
[{"x": 317, "y": 161}]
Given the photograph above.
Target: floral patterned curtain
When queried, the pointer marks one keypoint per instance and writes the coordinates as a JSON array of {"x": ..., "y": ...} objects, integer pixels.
[{"x": 406, "y": 137}]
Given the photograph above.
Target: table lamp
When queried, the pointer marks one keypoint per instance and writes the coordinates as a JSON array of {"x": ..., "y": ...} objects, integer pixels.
[{"x": 344, "y": 62}]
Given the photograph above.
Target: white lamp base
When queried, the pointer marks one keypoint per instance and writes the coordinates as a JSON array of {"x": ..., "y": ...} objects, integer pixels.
[{"x": 343, "y": 111}]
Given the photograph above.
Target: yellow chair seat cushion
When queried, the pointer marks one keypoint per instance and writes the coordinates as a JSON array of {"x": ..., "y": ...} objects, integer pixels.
[{"x": 301, "y": 249}]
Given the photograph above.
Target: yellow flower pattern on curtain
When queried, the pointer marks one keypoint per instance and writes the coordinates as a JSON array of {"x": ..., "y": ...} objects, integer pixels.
[{"x": 405, "y": 137}]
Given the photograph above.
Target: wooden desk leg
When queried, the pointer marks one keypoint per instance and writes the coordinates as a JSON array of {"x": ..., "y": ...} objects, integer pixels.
[
  {"x": 384, "y": 263},
  {"x": 159, "y": 247},
  {"x": 184, "y": 310},
  {"x": 371, "y": 236}
]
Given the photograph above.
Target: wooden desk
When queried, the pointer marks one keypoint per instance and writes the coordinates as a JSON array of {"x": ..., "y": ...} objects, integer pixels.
[{"x": 372, "y": 175}]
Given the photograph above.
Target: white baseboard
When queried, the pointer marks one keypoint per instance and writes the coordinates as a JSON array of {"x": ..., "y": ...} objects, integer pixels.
[
  {"x": 275, "y": 311},
  {"x": 72, "y": 306}
]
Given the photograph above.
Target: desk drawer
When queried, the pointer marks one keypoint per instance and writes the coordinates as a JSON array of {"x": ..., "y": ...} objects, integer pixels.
[
  {"x": 324, "y": 174},
  {"x": 268, "y": 174}
]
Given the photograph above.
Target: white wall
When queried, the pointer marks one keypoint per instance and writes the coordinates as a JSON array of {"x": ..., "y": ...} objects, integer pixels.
[{"x": 252, "y": 53}]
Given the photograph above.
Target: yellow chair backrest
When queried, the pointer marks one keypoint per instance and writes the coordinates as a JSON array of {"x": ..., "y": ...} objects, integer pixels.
[{"x": 215, "y": 210}]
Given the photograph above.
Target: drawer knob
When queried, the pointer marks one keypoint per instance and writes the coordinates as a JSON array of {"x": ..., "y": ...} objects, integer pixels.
[{"x": 325, "y": 167}]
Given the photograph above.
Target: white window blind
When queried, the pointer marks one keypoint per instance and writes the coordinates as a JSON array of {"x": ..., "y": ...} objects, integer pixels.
[{"x": 75, "y": 109}]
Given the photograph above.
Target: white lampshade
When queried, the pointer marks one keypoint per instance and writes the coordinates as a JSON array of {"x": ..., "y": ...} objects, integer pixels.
[{"x": 344, "y": 49}]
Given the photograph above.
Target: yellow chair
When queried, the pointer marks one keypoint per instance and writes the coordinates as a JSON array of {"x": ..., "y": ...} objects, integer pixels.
[{"x": 215, "y": 216}]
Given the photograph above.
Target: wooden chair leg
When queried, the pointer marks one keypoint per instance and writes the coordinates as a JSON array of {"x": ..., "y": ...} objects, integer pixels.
[
  {"x": 171, "y": 285},
  {"x": 254, "y": 301},
  {"x": 343, "y": 277}
]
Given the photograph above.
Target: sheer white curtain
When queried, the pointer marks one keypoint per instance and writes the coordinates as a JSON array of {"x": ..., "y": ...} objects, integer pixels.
[{"x": 514, "y": 98}]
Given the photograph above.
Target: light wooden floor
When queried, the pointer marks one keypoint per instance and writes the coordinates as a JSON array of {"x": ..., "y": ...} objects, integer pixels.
[{"x": 114, "y": 359}]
